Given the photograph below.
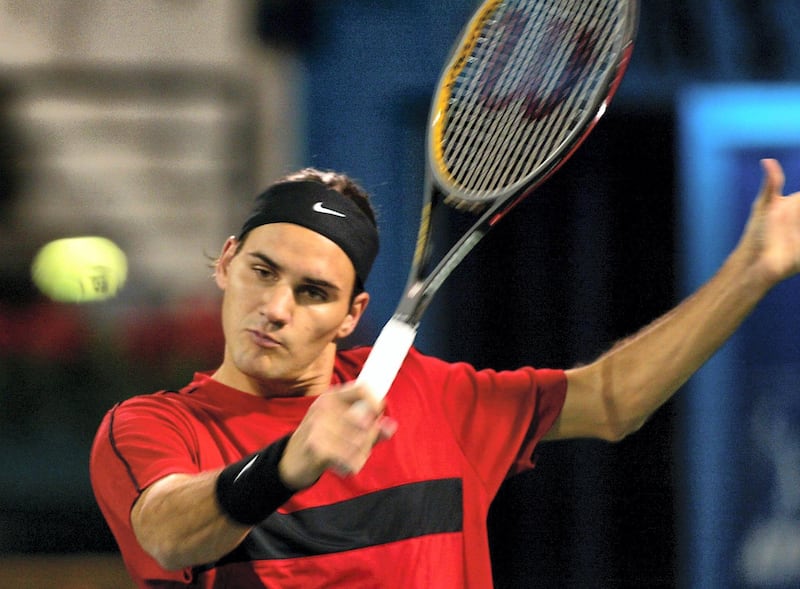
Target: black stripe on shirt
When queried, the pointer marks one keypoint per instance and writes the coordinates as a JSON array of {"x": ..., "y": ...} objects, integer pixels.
[{"x": 389, "y": 515}]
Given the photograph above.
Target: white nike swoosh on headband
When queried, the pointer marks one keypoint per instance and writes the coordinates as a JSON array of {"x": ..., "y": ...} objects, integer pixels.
[{"x": 320, "y": 208}]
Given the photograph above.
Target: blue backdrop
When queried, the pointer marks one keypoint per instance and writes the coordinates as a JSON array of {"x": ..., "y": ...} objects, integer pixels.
[{"x": 741, "y": 491}]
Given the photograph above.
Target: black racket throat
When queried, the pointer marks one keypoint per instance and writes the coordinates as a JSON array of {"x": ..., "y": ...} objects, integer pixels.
[{"x": 429, "y": 272}]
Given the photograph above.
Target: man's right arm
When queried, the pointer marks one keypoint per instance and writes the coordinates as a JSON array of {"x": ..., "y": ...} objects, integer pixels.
[
  {"x": 178, "y": 521},
  {"x": 184, "y": 520}
]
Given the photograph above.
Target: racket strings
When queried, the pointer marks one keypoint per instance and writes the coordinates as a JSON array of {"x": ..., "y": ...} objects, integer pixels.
[
  {"x": 499, "y": 126},
  {"x": 538, "y": 138},
  {"x": 538, "y": 141},
  {"x": 464, "y": 137},
  {"x": 501, "y": 161},
  {"x": 504, "y": 126},
  {"x": 529, "y": 77},
  {"x": 476, "y": 170}
]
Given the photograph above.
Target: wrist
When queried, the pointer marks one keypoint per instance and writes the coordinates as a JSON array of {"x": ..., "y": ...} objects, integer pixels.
[
  {"x": 297, "y": 476},
  {"x": 250, "y": 490},
  {"x": 754, "y": 274}
]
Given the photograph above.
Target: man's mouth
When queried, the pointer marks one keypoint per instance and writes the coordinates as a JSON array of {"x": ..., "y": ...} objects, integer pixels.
[{"x": 264, "y": 340}]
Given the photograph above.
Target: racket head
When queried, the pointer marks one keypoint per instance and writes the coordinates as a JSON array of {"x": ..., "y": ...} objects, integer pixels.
[{"x": 524, "y": 85}]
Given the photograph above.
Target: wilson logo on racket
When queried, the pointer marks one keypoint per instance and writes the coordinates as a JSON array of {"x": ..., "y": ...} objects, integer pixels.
[{"x": 557, "y": 63}]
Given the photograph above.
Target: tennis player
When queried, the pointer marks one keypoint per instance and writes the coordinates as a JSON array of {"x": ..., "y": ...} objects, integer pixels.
[{"x": 275, "y": 470}]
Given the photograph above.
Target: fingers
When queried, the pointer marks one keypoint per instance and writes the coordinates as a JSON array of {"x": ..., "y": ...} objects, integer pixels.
[
  {"x": 355, "y": 393},
  {"x": 338, "y": 432},
  {"x": 362, "y": 426},
  {"x": 773, "y": 178},
  {"x": 772, "y": 235},
  {"x": 388, "y": 427}
]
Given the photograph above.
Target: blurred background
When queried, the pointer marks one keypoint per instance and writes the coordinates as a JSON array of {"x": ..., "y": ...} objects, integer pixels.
[{"x": 156, "y": 122}]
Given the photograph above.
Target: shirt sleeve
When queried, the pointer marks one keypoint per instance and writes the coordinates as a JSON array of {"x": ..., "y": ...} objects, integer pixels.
[
  {"x": 499, "y": 417},
  {"x": 138, "y": 442}
]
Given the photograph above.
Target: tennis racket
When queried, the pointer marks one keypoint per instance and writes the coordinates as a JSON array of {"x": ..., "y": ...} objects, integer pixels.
[{"x": 524, "y": 85}]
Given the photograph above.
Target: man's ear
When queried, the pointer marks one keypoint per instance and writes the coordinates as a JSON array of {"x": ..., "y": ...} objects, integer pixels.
[
  {"x": 223, "y": 262},
  {"x": 357, "y": 308}
]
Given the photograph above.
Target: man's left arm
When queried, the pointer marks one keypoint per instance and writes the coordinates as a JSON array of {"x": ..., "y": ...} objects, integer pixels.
[{"x": 614, "y": 395}]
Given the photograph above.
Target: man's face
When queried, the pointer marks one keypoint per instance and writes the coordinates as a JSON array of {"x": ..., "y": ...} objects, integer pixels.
[{"x": 287, "y": 298}]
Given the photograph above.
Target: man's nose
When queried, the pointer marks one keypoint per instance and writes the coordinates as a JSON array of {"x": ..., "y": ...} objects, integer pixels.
[{"x": 278, "y": 304}]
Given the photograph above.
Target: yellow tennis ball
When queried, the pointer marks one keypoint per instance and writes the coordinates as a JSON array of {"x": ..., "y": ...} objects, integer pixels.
[{"x": 80, "y": 269}]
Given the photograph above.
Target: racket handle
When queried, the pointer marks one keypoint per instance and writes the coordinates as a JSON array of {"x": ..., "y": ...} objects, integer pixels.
[{"x": 386, "y": 357}]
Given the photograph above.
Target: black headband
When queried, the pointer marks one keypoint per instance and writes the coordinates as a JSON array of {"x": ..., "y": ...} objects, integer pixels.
[{"x": 324, "y": 210}]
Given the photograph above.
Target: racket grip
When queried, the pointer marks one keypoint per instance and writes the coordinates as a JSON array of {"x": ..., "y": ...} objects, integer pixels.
[{"x": 386, "y": 357}]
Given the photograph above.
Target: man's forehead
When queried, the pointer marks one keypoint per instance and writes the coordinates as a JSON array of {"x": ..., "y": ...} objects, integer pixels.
[{"x": 285, "y": 244}]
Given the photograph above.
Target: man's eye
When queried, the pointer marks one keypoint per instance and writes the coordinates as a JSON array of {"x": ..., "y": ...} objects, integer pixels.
[
  {"x": 315, "y": 293},
  {"x": 263, "y": 272}
]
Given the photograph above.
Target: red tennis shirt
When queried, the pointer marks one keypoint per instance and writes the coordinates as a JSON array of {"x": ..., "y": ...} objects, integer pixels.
[{"x": 414, "y": 517}]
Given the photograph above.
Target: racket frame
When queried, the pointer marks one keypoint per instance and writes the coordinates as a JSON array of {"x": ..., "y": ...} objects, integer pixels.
[{"x": 397, "y": 336}]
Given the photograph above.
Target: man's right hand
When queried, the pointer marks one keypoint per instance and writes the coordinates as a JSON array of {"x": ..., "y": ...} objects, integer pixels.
[{"x": 339, "y": 431}]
